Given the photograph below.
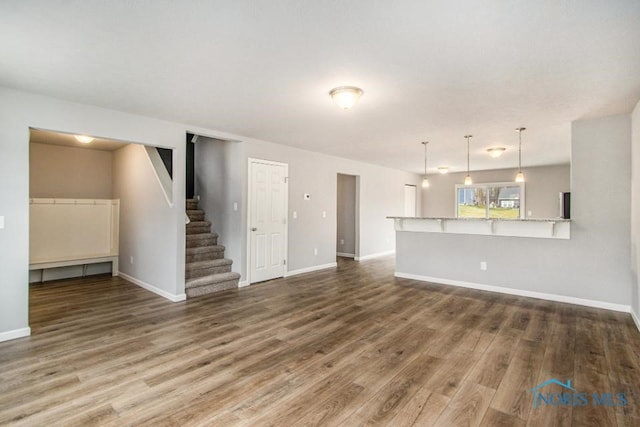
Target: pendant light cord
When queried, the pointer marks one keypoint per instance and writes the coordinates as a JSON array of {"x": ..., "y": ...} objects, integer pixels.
[
  {"x": 519, "y": 150},
  {"x": 425, "y": 158},
  {"x": 468, "y": 137}
]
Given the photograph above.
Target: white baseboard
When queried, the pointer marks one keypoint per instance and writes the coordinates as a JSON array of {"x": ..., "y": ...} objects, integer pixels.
[
  {"x": 171, "y": 297},
  {"x": 310, "y": 269},
  {"x": 346, "y": 255},
  {"x": 634, "y": 316},
  {"x": 14, "y": 334},
  {"x": 371, "y": 256},
  {"x": 519, "y": 292},
  {"x": 243, "y": 283}
]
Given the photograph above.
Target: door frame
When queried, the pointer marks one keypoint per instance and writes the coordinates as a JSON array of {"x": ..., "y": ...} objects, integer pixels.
[
  {"x": 250, "y": 162},
  {"x": 356, "y": 246}
]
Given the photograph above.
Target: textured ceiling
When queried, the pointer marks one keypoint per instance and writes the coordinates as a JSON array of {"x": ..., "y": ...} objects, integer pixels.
[{"x": 430, "y": 70}]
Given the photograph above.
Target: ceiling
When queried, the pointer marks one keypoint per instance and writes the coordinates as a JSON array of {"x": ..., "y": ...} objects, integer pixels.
[
  {"x": 430, "y": 70},
  {"x": 39, "y": 136}
]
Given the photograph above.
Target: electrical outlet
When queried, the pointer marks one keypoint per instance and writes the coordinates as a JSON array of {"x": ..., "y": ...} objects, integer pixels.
[
  {"x": 131, "y": 259},
  {"x": 324, "y": 214},
  {"x": 315, "y": 251},
  {"x": 295, "y": 214},
  {"x": 483, "y": 265},
  {"x": 235, "y": 206},
  {"x": 1, "y": 222},
  {"x": 342, "y": 241},
  {"x": 529, "y": 213}
]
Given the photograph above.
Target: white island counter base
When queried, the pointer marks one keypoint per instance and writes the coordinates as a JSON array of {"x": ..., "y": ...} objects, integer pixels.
[
  {"x": 552, "y": 228},
  {"x": 525, "y": 257}
]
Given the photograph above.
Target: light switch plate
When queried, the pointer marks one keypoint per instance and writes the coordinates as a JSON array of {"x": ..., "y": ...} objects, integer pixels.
[{"x": 1, "y": 222}]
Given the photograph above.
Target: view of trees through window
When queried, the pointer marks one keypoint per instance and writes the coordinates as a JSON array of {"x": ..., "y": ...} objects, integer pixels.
[{"x": 489, "y": 201}]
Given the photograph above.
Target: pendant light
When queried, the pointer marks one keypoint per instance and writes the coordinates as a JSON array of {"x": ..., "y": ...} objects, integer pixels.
[
  {"x": 467, "y": 179},
  {"x": 425, "y": 180},
  {"x": 520, "y": 175}
]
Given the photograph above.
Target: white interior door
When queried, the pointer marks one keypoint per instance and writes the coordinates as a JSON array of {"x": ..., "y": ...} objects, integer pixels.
[
  {"x": 267, "y": 220},
  {"x": 410, "y": 200}
]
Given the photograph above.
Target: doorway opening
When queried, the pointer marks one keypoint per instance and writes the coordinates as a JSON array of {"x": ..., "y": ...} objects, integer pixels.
[
  {"x": 347, "y": 215},
  {"x": 410, "y": 200}
]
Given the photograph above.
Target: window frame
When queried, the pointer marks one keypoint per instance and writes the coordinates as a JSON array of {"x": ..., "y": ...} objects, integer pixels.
[{"x": 485, "y": 186}]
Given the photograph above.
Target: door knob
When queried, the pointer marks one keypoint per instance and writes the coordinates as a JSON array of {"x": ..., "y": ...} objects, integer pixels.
[{"x": 254, "y": 229}]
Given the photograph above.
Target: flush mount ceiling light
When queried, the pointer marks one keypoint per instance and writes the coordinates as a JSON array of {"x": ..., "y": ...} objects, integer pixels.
[
  {"x": 443, "y": 169},
  {"x": 496, "y": 151},
  {"x": 425, "y": 180},
  {"x": 520, "y": 175},
  {"x": 467, "y": 179},
  {"x": 346, "y": 97},
  {"x": 83, "y": 139}
]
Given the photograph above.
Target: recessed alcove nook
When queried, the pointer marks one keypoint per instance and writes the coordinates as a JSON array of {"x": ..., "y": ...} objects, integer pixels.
[{"x": 90, "y": 203}]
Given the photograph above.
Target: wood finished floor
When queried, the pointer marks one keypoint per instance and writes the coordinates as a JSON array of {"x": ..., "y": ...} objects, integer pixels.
[{"x": 351, "y": 346}]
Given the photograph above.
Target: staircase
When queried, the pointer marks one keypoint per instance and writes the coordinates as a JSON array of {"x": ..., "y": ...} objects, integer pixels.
[{"x": 206, "y": 268}]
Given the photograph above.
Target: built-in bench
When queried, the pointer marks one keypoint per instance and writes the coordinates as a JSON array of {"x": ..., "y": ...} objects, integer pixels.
[
  {"x": 85, "y": 262},
  {"x": 71, "y": 232}
]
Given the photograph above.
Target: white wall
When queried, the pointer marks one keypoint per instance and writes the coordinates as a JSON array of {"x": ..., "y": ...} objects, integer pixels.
[
  {"x": 146, "y": 223},
  {"x": 381, "y": 195},
  {"x": 346, "y": 211},
  {"x": 635, "y": 209},
  {"x": 593, "y": 265},
  {"x": 69, "y": 172},
  {"x": 219, "y": 180},
  {"x": 541, "y": 189},
  {"x": 18, "y": 112}
]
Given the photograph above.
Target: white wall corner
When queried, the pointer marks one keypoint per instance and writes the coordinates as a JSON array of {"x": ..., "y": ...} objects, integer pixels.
[
  {"x": 15, "y": 334},
  {"x": 635, "y": 318},
  {"x": 520, "y": 292},
  {"x": 171, "y": 297},
  {"x": 376, "y": 255},
  {"x": 310, "y": 269}
]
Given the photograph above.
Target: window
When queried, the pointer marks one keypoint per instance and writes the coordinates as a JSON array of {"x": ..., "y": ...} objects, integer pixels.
[{"x": 495, "y": 200}]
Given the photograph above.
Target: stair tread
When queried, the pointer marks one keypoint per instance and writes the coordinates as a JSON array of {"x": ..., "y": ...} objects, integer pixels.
[
  {"x": 204, "y": 249},
  {"x": 202, "y": 236},
  {"x": 209, "y": 263},
  {"x": 198, "y": 223},
  {"x": 213, "y": 278}
]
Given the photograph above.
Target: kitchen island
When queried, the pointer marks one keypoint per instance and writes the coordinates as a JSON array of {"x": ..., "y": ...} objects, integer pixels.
[{"x": 526, "y": 257}]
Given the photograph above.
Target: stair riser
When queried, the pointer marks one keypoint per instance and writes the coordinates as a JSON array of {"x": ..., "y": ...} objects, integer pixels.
[
  {"x": 196, "y": 216},
  {"x": 192, "y": 205},
  {"x": 201, "y": 272},
  {"x": 209, "y": 289},
  {"x": 199, "y": 229},
  {"x": 204, "y": 256},
  {"x": 210, "y": 241}
]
